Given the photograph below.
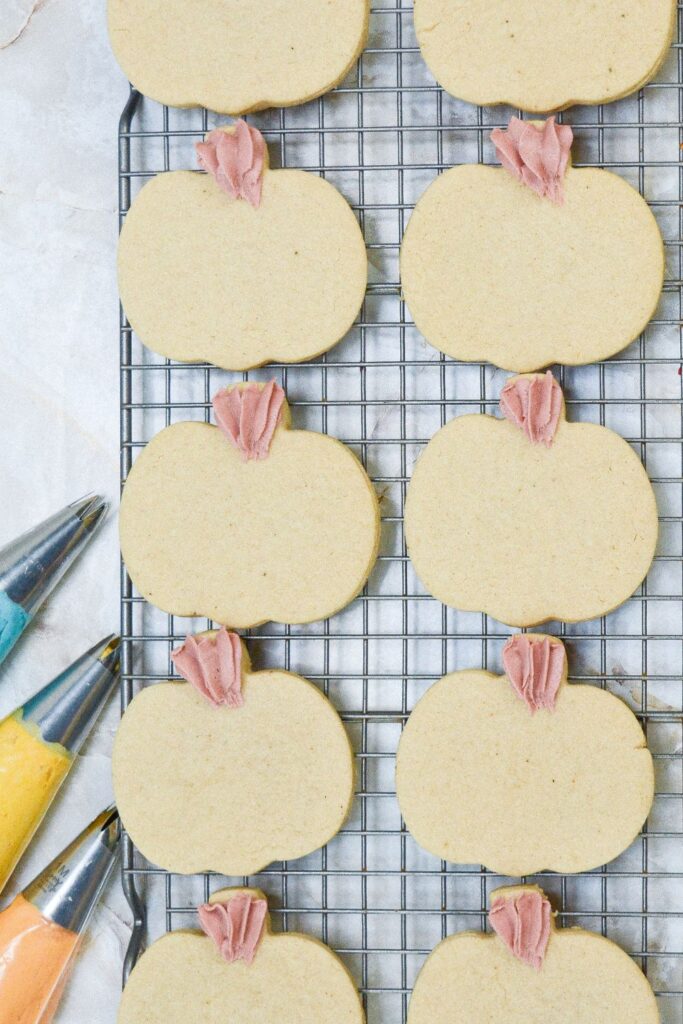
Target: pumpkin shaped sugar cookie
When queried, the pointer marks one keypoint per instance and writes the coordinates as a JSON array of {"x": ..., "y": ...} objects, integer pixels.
[
  {"x": 248, "y": 521},
  {"x": 544, "y": 55},
  {"x": 529, "y": 970},
  {"x": 530, "y": 517},
  {"x": 242, "y": 265},
  {"x": 534, "y": 262},
  {"x": 238, "y": 970},
  {"x": 235, "y": 56},
  {"x": 523, "y": 772},
  {"x": 241, "y": 768}
]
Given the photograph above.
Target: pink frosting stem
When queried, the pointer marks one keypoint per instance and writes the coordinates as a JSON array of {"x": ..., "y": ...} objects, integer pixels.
[
  {"x": 236, "y": 927},
  {"x": 538, "y": 157},
  {"x": 523, "y": 923},
  {"x": 533, "y": 404},
  {"x": 535, "y": 668},
  {"x": 249, "y": 416},
  {"x": 213, "y": 666},
  {"x": 236, "y": 161}
]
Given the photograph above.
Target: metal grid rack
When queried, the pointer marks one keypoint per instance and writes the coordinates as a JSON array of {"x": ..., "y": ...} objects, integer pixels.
[{"x": 372, "y": 894}]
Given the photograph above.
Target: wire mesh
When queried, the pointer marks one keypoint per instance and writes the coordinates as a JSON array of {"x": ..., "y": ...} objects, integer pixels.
[{"x": 371, "y": 894}]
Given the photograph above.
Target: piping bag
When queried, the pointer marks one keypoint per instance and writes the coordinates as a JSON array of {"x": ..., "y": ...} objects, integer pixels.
[
  {"x": 39, "y": 742},
  {"x": 32, "y": 565},
  {"x": 41, "y": 928}
]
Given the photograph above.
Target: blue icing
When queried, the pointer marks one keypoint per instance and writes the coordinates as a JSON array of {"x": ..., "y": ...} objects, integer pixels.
[{"x": 13, "y": 621}]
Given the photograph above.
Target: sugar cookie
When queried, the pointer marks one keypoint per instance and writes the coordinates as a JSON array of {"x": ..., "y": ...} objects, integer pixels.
[
  {"x": 523, "y": 772},
  {"x": 543, "y": 55},
  {"x": 235, "y": 56},
  {"x": 530, "y": 517},
  {"x": 241, "y": 768},
  {"x": 533, "y": 263},
  {"x": 249, "y": 521},
  {"x": 239, "y": 971},
  {"x": 530, "y": 970},
  {"x": 235, "y": 267}
]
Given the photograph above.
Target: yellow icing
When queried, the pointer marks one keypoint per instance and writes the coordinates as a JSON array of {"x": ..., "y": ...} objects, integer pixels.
[{"x": 31, "y": 772}]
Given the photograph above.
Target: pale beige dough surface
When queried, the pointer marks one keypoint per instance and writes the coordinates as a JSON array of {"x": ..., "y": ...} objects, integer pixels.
[
  {"x": 491, "y": 271},
  {"x": 235, "y": 56},
  {"x": 291, "y": 538},
  {"x": 294, "y": 979},
  {"x": 527, "y": 533},
  {"x": 206, "y": 277},
  {"x": 231, "y": 790},
  {"x": 585, "y": 979},
  {"x": 480, "y": 780},
  {"x": 544, "y": 55}
]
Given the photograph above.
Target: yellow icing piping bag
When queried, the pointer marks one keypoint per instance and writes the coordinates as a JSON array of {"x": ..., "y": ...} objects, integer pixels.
[
  {"x": 32, "y": 565},
  {"x": 39, "y": 741},
  {"x": 40, "y": 931}
]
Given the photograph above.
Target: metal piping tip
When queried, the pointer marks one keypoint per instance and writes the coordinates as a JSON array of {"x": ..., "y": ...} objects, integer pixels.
[
  {"x": 110, "y": 656},
  {"x": 32, "y": 565},
  {"x": 66, "y": 710},
  {"x": 68, "y": 889},
  {"x": 90, "y": 510}
]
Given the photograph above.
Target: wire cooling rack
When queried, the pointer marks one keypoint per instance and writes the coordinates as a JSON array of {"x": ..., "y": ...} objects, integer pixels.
[{"x": 372, "y": 895}]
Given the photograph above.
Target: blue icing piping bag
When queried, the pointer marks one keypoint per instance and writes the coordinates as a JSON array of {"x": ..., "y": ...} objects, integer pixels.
[{"x": 32, "y": 565}]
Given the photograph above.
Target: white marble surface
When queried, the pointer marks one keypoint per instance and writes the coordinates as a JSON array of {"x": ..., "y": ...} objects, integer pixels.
[{"x": 60, "y": 97}]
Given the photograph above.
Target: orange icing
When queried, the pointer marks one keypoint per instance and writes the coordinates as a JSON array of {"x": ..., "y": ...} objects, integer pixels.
[{"x": 34, "y": 955}]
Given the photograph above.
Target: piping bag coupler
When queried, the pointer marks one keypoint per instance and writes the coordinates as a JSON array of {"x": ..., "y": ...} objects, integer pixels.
[
  {"x": 41, "y": 928},
  {"x": 32, "y": 565},
  {"x": 39, "y": 742}
]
